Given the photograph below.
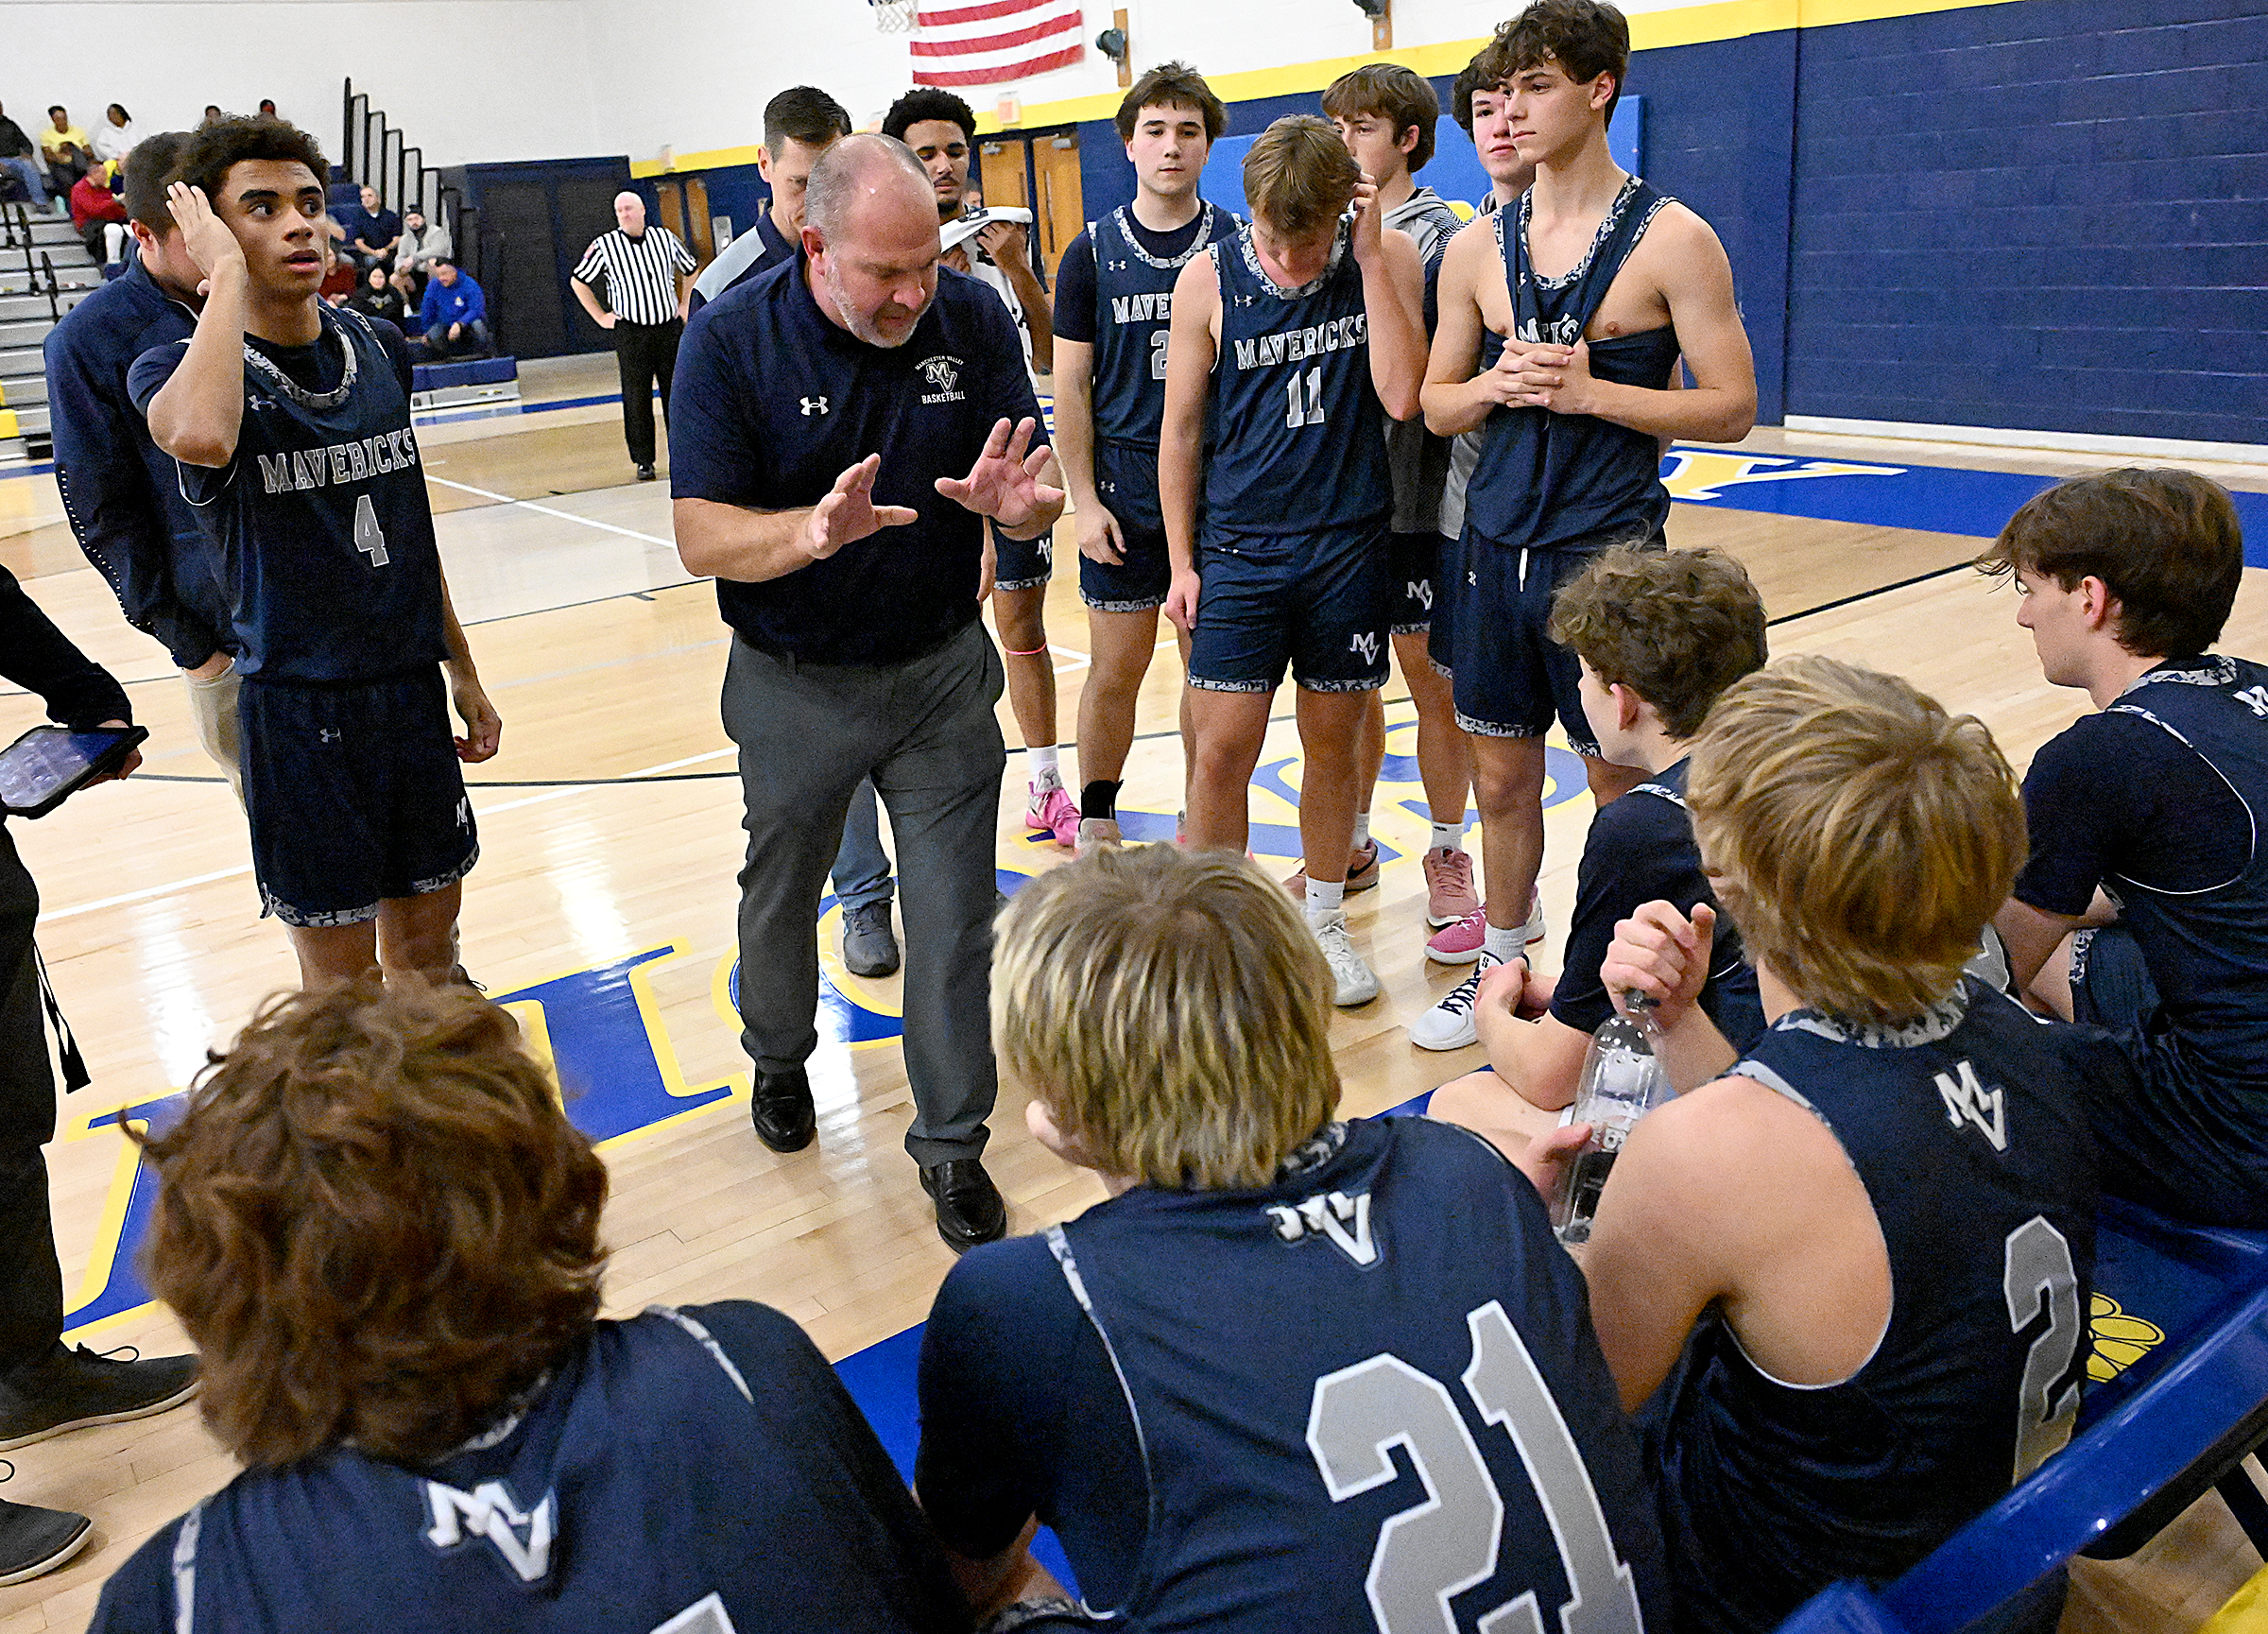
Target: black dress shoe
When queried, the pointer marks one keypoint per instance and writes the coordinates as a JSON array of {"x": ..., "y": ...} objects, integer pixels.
[
  {"x": 70, "y": 1390},
  {"x": 646, "y": 474},
  {"x": 780, "y": 1110},
  {"x": 33, "y": 1540},
  {"x": 969, "y": 1208}
]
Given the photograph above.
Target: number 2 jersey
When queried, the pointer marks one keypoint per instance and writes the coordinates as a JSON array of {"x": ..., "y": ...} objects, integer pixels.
[
  {"x": 695, "y": 1472},
  {"x": 1968, "y": 1131},
  {"x": 1343, "y": 1401},
  {"x": 321, "y": 525},
  {"x": 1299, "y": 434}
]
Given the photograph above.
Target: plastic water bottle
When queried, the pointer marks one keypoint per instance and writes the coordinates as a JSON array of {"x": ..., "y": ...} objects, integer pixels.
[{"x": 1623, "y": 1081}]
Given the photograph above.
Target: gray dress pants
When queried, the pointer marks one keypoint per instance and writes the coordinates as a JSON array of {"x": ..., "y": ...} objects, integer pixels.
[{"x": 924, "y": 731}]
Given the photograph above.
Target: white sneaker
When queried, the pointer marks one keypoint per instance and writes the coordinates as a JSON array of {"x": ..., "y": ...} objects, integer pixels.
[
  {"x": 1448, "y": 1024},
  {"x": 1532, "y": 930},
  {"x": 1352, "y": 982}
]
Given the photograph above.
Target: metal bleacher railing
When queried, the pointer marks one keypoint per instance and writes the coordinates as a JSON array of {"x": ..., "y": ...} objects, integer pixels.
[
  {"x": 45, "y": 270},
  {"x": 373, "y": 154}
]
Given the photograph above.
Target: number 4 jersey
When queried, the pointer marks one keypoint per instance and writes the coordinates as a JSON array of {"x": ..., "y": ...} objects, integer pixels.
[
  {"x": 1368, "y": 1397},
  {"x": 1968, "y": 1131},
  {"x": 321, "y": 522}
]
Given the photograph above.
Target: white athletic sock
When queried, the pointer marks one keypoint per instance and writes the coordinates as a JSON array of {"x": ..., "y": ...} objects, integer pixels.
[
  {"x": 1362, "y": 830},
  {"x": 1325, "y": 900},
  {"x": 1501, "y": 944},
  {"x": 1047, "y": 767},
  {"x": 1449, "y": 836}
]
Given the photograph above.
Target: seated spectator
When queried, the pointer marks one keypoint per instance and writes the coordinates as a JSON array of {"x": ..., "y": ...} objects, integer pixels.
[
  {"x": 383, "y": 1233},
  {"x": 1196, "y": 1382},
  {"x": 212, "y": 113},
  {"x": 16, "y": 159},
  {"x": 267, "y": 107},
  {"x": 375, "y": 297},
  {"x": 1860, "y": 1259},
  {"x": 421, "y": 245},
  {"x": 371, "y": 231},
  {"x": 98, "y": 216},
  {"x": 1659, "y": 635},
  {"x": 2144, "y": 906},
  {"x": 453, "y": 314},
  {"x": 115, "y": 138},
  {"x": 70, "y": 152},
  {"x": 338, "y": 273}
]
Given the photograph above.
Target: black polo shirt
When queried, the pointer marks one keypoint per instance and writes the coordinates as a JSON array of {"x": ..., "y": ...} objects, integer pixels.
[{"x": 774, "y": 401}]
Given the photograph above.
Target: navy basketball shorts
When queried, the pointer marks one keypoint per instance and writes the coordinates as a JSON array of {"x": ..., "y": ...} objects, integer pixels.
[
  {"x": 1415, "y": 563},
  {"x": 1023, "y": 563},
  {"x": 354, "y": 794},
  {"x": 1508, "y": 677},
  {"x": 1125, "y": 480},
  {"x": 2178, "y": 1137},
  {"x": 1319, "y": 601}
]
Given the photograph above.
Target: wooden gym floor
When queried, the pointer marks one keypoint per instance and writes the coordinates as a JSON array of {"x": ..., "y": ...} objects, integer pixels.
[{"x": 610, "y": 830}]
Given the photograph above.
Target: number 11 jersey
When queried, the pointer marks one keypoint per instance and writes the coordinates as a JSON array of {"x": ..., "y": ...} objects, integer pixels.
[{"x": 321, "y": 525}]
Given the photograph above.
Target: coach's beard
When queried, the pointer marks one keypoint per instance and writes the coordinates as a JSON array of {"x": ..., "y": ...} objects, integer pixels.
[{"x": 857, "y": 322}]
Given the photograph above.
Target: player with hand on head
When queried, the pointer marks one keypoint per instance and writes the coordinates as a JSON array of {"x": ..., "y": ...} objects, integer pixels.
[
  {"x": 288, "y": 421},
  {"x": 1196, "y": 1382},
  {"x": 1561, "y": 323},
  {"x": 2144, "y": 906},
  {"x": 1659, "y": 635},
  {"x": 941, "y": 131},
  {"x": 1293, "y": 343},
  {"x": 1386, "y": 115},
  {"x": 1856, "y": 1266},
  {"x": 1113, "y": 313}
]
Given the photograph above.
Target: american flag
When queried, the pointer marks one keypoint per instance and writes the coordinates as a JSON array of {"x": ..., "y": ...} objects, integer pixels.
[{"x": 994, "y": 41}]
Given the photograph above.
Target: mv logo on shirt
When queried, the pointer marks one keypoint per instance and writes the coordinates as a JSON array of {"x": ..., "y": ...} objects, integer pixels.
[
  {"x": 1966, "y": 1100},
  {"x": 1343, "y": 1221},
  {"x": 2256, "y": 699},
  {"x": 522, "y": 1537},
  {"x": 944, "y": 372},
  {"x": 339, "y": 463}
]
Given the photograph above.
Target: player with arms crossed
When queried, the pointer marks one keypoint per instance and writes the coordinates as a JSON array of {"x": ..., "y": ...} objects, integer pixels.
[
  {"x": 289, "y": 424},
  {"x": 1114, "y": 294},
  {"x": 1561, "y": 321},
  {"x": 2144, "y": 906},
  {"x": 1659, "y": 634},
  {"x": 383, "y": 1233},
  {"x": 1295, "y": 341},
  {"x": 1860, "y": 1259},
  {"x": 1197, "y": 1381}
]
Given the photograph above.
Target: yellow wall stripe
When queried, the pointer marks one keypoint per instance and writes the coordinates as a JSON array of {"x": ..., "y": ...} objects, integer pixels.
[
  {"x": 7, "y": 423},
  {"x": 1649, "y": 30}
]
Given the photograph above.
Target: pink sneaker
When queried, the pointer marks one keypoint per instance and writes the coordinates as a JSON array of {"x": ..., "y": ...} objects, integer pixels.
[
  {"x": 1460, "y": 943},
  {"x": 1449, "y": 893},
  {"x": 1054, "y": 812}
]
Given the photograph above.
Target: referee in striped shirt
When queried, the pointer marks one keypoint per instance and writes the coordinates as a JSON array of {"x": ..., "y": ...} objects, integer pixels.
[{"x": 647, "y": 272}]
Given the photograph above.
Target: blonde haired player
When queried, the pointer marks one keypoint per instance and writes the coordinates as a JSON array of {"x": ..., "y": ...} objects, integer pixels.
[
  {"x": 1860, "y": 1258},
  {"x": 1267, "y": 1298}
]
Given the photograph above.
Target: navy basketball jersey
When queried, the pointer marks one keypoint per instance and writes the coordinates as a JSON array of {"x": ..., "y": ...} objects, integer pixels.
[
  {"x": 1544, "y": 478},
  {"x": 1364, "y": 1394},
  {"x": 320, "y": 522},
  {"x": 655, "y": 1483},
  {"x": 1969, "y": 1132},
  {"x": 2207, "y": 950},
  {"x": 1298, "y": 435},
  {"x": 1133, "y": 311},
  {"x": 1730, "y": 996}
]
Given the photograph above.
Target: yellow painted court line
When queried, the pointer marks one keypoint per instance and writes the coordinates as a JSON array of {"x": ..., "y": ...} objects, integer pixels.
[{"x": 547, "y": 510}]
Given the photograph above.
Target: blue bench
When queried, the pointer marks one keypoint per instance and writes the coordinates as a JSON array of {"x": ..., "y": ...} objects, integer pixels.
[{"x": 474, "y": 380}]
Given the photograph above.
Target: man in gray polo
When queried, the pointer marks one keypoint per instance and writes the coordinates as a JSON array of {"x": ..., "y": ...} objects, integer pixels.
[{"x": 843, "y": 426}]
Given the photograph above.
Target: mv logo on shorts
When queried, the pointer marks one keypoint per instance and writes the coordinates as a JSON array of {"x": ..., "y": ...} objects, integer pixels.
[
  {"x": 1966, "y": 1100},
  {"x": 813, "y": 405},
  {"x": 1366, "y": 644},
  {"x": 1343, "y": 1221},
  {"x": 522, "y": 1537},
  {"x": 944, "y": 372},
  {"x": 1421, "y": 592}
]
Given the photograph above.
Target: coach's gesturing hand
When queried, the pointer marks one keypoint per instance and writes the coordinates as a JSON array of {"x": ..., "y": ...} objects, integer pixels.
[
  {"x": 1005, "y": 482},
  {"x": 849, "y": 512}
]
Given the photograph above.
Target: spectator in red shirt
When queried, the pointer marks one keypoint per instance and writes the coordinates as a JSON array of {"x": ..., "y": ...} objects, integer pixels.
[{"x": 98, "y": 216}]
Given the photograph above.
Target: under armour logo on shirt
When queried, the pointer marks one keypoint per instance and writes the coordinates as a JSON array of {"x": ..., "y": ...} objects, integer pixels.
[
  {"x": 326, "y": 734},
  {"x": 814, "y": 405}
]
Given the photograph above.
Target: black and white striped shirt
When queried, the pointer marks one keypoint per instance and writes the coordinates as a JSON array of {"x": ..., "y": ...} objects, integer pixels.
[{"x": 640, "y": 273}]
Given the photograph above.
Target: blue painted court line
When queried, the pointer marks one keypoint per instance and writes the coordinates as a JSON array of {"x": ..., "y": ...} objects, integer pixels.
[{"x": 883, "y": 1380}]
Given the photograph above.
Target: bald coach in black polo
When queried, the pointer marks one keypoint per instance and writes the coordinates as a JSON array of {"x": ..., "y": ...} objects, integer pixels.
[{"x": 841, "y": 428}]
